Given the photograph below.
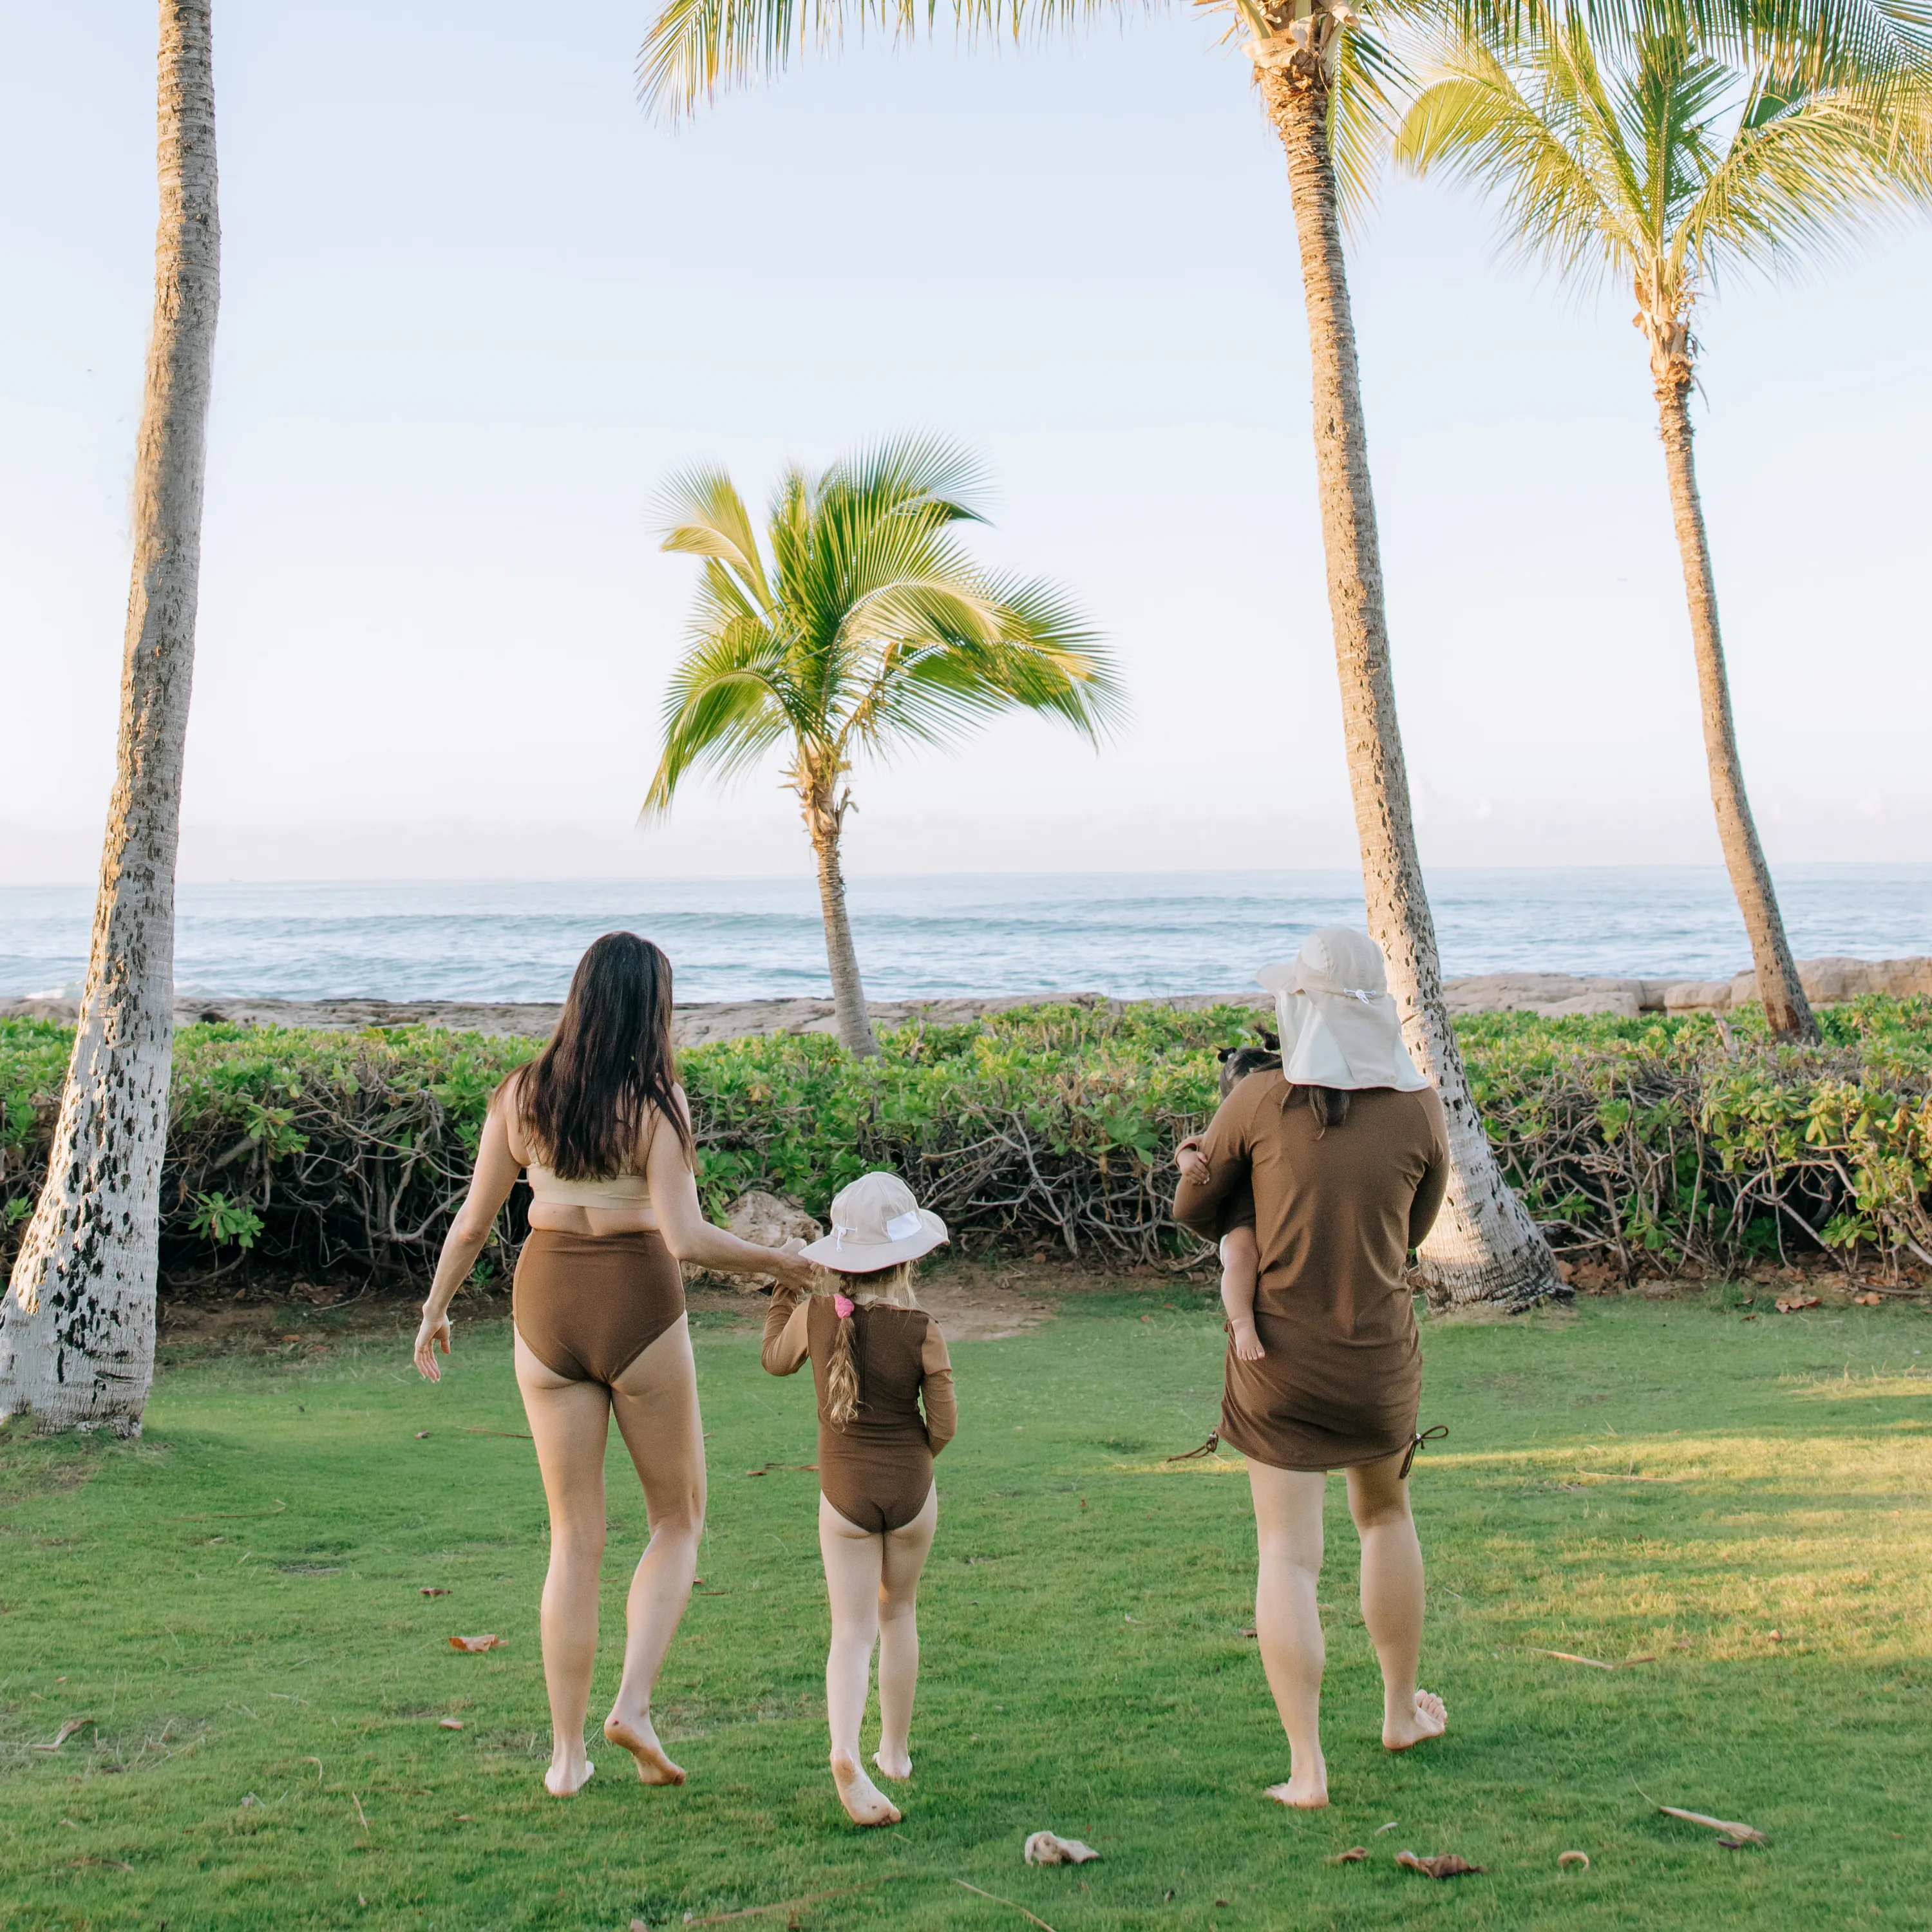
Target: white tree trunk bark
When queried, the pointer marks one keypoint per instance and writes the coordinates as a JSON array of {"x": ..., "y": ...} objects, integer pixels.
[
  {"x": 1786, "y": 1010},
  {"x": 1484, "y": 1246},
  {"x": 826, "y": 821},
  {"x": 77, "y": 1329}
]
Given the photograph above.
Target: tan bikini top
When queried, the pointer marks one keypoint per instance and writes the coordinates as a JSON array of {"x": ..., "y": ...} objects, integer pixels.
[{"x": 622, "y": 1190}]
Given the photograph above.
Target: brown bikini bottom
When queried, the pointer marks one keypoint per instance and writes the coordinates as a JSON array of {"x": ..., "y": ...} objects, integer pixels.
[{"x": 588, "y": 1306}]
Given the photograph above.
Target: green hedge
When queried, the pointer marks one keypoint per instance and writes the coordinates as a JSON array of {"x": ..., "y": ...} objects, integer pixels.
[{"x": 1650, "y": 1142}]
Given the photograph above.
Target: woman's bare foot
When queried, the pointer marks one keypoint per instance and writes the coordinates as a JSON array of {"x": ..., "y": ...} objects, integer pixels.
[
  {"x": 895, "y": 1764},
  {"x": 567, "y": 1779},
  {"x": 864, "y": 1803},
  {"x": 635, "y": 1735},
  {"x": 1429, "y": 1719},
  {"x": 1306, "y": 1789}
]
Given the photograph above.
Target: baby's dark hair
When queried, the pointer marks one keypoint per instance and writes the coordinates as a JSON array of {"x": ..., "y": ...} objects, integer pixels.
[{"x": 1238, "y": 1062}]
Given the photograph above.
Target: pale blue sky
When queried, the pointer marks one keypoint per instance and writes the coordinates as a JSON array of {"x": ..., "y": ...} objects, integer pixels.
[{"x": 477, "y": 307}]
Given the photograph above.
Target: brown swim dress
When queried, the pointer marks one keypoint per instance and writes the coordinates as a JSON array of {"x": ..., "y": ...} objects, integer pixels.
[
  {"x": 588, "y": 1306},
  {"x": 877, "y": 1470},
  {"x": 1337, "y": 1210}
]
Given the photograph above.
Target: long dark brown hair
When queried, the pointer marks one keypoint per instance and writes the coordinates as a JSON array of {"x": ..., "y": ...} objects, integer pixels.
[
  {"x": 1330, "y": 1105},
  {"x": 585, "y": 1099}
]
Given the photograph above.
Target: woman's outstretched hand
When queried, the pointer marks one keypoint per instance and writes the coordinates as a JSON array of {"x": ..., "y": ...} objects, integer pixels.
[
  {"x": 432, "y": 1336},
  {"x": 791, "y": 1272}
]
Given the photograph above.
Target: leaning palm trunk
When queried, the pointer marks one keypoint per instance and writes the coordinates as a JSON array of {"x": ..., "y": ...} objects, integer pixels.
[
  {"x": 825, "y": 819},
  {"x": 1484, "y": 1246},
  {"x": 77, "y": 1333},
  {"x": 1786, "y": 1011}
]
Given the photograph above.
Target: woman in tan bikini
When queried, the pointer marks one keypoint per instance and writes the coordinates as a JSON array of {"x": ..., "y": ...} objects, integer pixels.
[
  {"x": 1345, "y": 1146},
  {"x": 600, "y": 1124},
  {"x": 875, "y": 1353}
]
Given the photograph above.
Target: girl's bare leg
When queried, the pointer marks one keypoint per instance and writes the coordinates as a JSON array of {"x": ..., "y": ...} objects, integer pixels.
[
  {"x": 1392, "y": 1600},
  {"x": 1240, "y": 1274},
  {"x": 1288, "y": 1525},
  {"x": 906, "y": 1552},
  {"x": 854, "y": 1580},
  {"x": 656, "y": 1403},
  {"x": 569, "y": 1422}
]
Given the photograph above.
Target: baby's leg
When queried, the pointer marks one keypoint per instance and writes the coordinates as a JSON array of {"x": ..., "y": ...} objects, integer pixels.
[
  {"x": 854, "y": 1561},
  {"x": 1241, "y": 1270},
  {"x": 906, "y": 1551}
]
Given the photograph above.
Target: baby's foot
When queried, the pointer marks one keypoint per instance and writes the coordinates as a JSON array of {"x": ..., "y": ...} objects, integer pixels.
[
  {"x": 1306, "y": 1789},
  {"x": 1248, "y": 1348},
  {"x": 1429, "y": 1719},
  {"x": 864, "y": 1803},
  {"x": 896, "y": 1765},
  {"x": 567, "y": 1777},
  {"x": 637, "y": 1737}
]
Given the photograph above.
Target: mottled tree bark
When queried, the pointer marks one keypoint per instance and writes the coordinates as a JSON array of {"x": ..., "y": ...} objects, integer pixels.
[
  {"x": 825, "y": 819},
  {"x": 1786, "y": 1008},
  {"x": 1484, "y": 1246},
  {"x": 77, "y": 1329}
]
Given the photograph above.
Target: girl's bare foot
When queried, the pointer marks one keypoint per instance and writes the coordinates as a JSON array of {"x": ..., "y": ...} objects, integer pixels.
[
  {"x": 1306, "y": 1789},
  {"x": 1429, "y": 1719},
  {"x": 636, "y": 1736},
  {"x": 864, "y": 1803},
  {"x": 567, "y": 1779},
  {"x": 895, "y": 1764}
]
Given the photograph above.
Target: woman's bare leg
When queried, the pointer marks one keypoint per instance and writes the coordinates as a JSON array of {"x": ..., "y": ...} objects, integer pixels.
[
  {"x": 569, "y": 1422},
  {"x": 906, "y": 1552},
  {"x": 1392, "y": 1600},
  {"x": 1288, "y": 1526},
  {"x": 656, "y": 1403},
  {"x": 854, "y": 1576}
]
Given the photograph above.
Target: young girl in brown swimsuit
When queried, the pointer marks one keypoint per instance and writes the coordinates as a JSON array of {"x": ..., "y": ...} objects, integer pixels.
[
  {"x": 874, "y": 1353},
  {"x": 600, "y": 1124}
]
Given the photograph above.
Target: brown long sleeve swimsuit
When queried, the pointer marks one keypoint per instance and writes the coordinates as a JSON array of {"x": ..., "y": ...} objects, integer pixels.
[
  {"x": 1337, "y": 1212},
  {"x": 877, "y": 1471}
]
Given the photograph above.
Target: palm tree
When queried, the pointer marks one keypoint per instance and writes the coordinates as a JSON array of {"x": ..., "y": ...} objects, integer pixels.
[
  {"x": 869, "y": 628},
  {"x": 1650, "y": 157},
  {"x": 77, "y": 1333},
  {"x": 1322, "y": 68}
]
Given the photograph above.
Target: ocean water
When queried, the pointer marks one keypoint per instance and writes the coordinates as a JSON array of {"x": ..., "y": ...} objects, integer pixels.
[{"x": 1127, "y": 935}]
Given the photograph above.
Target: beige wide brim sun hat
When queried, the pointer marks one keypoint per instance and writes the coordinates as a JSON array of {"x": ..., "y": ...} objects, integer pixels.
[
  {"x": 876, "y": 1224},
  {"x": 1339, "y": 1024}
]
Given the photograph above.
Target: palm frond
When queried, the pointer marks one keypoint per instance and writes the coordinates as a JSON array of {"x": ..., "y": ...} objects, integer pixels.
[
  {"x": 703, "y": 515},
  {"x": 695, "y": 49},
  {"x": 728, "y": 704}
]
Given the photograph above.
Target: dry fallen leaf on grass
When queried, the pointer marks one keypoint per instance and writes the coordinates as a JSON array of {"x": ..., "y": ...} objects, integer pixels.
[
  {"x": 1869, "y": 1300},
  {"x": 1044, "y": 1848},
  {"x": 476, "y": 1643},
  {"x": 1353, "y": 1856},
  {"x": 1444, "y": 1864},
  {"x": 450, "y": 1723},
  {"x": 1789, "y": 1304},
  {"x": 422, "y": 1434},
  {"x": 1573, "y": 1858},
  {"x": 433, "y": 1590},
  {"x": 66, "y": 1731},
  {"x": 1570, "y": 1657},
  {"x": 1739, "y": 1834}
]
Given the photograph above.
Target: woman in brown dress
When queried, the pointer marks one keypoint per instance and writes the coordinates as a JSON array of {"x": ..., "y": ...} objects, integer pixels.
[
  {"x": 1345, "y": 1149},
  {"x": 600, "y": 1124},
  {"x": 875, "y": 1355}
]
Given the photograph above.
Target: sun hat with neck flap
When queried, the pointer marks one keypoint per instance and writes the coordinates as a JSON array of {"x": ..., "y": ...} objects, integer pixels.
[
  {"x": 1339, "y": 1024},
  {"x": 876, "y": 1224}
]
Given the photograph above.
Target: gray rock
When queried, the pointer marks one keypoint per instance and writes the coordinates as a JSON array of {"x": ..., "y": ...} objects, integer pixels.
[{"x": 768, "y": 1220}]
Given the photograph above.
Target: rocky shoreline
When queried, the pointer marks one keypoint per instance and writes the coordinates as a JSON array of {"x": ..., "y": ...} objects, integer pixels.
[{"x": 1551, "y": 995}]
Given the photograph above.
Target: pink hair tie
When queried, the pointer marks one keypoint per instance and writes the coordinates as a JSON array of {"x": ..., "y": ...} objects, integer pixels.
[{"x": 842, "y": 1308}]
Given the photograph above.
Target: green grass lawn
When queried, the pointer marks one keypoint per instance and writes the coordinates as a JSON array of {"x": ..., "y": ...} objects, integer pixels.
[{"x": 235, "y": 1600}]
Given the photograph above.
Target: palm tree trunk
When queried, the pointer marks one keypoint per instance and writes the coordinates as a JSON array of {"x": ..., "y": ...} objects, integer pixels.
[
  {"x": 1786, "y": 1010},
  {"x": 826, "y": 821},
  {"x": 77, "y": 1332},
  {"x": 1484, "y": 1246}
]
